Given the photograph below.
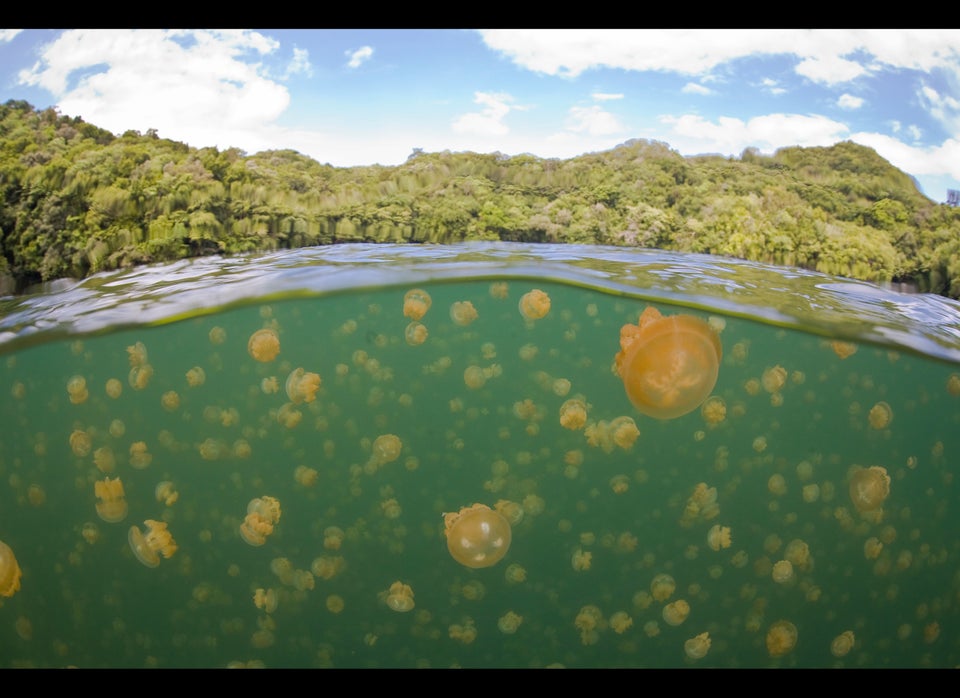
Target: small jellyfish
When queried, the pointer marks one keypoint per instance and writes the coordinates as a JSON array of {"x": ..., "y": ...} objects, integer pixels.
[
  {"x": 217, "y": 335},
  {"x": 668, "y": 365},
  {"x": 104, "y": 460},
  {"x": 515, "y": 574},
  {"x": 774, "y": 378},
  {"x": 112, "y": 506},
  {"x": 416, "y": 303},
  {"x": 842, "y": 644},
  {"x": 386, "y": 449},
  {"x": 676, "y": 612},
  {"x": 266, "y": 599},
  {"x": 477, "y": 536},
  {"x": 114, "y": 388},
  {"x": 581, "y": 560},
  {"x": 263, "y": 513},
  {"x": 509, "y": 623},
  {"x": 140, "y": 458},
  {"x": 713, "y": 410},
  {"x": 782, "y": 571},
  {"x": 137, "y": 353},
  {"x": 463, "y": 313},
  {"x": 781, "y": 638},
  {"x": 149, "y": 545},
  {"x": 77, "y": 390},
  {"x": 869, "y": 487},
  {"x": 139, "y": 376},
  {"x": 953, "y": 384},
  {"x": 415, "y": 333},
  {"x": 662, "y": 587},
  {"x": 697, "y": 647},
  {"x": 534, "y": 304},
  {"x": 620, "y": 622},
  {"x": 399, "y": 597},
  {"x": 333, "y": 537},
  {"x": 880, "y": 416},
  {"x": 573, "y": 414},
  {"x": 302, "y": 386},
  {"x": 80, "y": 443},
  {"x": 166, "y": 493},
  {"x": 9, "y": 571},
  {"x": 270, "y": 385},
  {"x": 170, "y": 401},
  {"x": 196, "y": 377},
  {"x": 264, "y": 345},
  {"x": 843, "y": 349},
  {"x": 719, "y": 537}
]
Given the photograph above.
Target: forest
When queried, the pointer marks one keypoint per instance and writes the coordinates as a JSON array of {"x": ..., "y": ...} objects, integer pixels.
[{"x": 77, "y": 200}]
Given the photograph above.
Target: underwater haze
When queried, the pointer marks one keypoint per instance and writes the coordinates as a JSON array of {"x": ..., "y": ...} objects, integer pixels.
[{"x": 479, "y": 455}]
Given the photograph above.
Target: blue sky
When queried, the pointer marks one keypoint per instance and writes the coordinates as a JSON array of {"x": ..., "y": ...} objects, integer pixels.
[{"x": 358, "y": 97}]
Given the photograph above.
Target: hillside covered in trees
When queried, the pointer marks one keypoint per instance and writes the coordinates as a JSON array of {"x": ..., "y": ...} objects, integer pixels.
[{"x": 77, "y": 199}]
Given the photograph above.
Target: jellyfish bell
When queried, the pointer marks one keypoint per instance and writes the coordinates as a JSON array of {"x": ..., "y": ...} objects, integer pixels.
[
  {"x": 668, "y": 364},
  {"x": 477, "y": 536},
  {"x": 150, "y": 544},
  {"x": 869, "y": 487},
  {"x": 400, "y": 597},
  {"x": 781, "y": 638},
  {"x": 534, "y": 304},
  {"x": 9, "y": 571},
  {"x": 264, "y": 345}
]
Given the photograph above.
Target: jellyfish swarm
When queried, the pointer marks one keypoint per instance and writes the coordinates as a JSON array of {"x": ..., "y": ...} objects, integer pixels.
[
  {"x": 669, "y": 365},
  {"x": 9, "y": 571},
  {"x": 477, "y": 536},
  {"x": 148, "y": 546}
]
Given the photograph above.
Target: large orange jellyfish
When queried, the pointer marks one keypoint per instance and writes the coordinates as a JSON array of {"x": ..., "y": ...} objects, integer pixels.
[
  {"x": 9, "y": 571},
  {"x": 112, "y": 506},
  {"x": 669, "y": 365},
  {"x": 416, "y": 303},
  {"x": 534, "y": 305},
  {"x": 477, "y": 536},
  {"x": 148, "y": 546},
  {"x": 869, "y": 487},
  {"x": 264, "y": 345}
]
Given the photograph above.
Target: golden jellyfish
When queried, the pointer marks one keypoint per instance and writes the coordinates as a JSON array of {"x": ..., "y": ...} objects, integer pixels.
[
  {"x": 676, "y": 612},
  {"x": 869, "y": 487},
  {"x": 662, "y": 587},
  {"x": 112, "y": 506},
  {"x": 509, "y": 622},
  {"x": 264, "y": 345},
  {"x": 104, "y": 460},
  {"x": 781, "y": 638},
  {"x": 842, "y": 644},
  {"x": 416, "y": 303},
  {"x": 196, "y": 377},
  {"x": 581, "y": 560},
  {"x": 477, "y": 536},
  {"x": 140, "y": 458},
  {"x": 719, "y": 537},
  {"x": 534, "y": 304},
  {"x": 270, "y": 385},
  {"x": 774, "y": 378},
  {"x": 333, "y": 537},
  {"x": 512, "y": 511},
  {"x": 880, "y": 416},
  {"x": 515, "y": 574},
  {"x": 302, "y": 386},
  {"x": 139, "y": 376},
  {"x": 714, "y": 410},
  {"x": 620, "y": 622},
  {"x": 266, "y": 600},
  {"x": 573, "y": 414},
  {"x": 166, "y": 493},
  {"x": 463, "y": 313},
  {"x": 668, "y": 365},
  {"x": 137, "y": 353},
  {"x": 170, "y": 401},
  {"x": 263, "y": 513},
  {"x": 415, "y": 333},
  {"x": 386, "y": 449},
  {"x": 77, "y": 390},
  {"x": 114, "y": 388},
  {"x": 10, "y": 572},
  {"x": 399, "y": 597},
  {"x": 697, "y": 647},
  {"x": 149, "y": 545},
  {"x": 782, "y": 571},
  {"x": 843, "y": 349},
  {"x": 305, "y": 476},
  {"x": 953, "y": 384},
  {"x": 80, "y": 443}
]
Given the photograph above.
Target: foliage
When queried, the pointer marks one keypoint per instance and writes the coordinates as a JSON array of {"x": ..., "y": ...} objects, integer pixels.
[{"x": 75, "y": 200}]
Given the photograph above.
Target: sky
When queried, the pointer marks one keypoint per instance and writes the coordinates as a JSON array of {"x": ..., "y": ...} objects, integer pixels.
[{"x": 364, "y": 96}]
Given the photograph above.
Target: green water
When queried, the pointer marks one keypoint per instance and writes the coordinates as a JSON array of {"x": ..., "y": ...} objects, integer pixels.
[{"x": 87, "y": 601}]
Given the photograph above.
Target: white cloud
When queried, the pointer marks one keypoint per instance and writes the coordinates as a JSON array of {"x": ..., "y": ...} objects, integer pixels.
[
  {"x": 605, "y": 96},
  {"x": 8, "y": 34},
  {"x": 489, "y": 120},
  {"x": 593, "y": 121},
  {"x": 692, "y": 88},
  {"x": 691, "y": 134},
  {"x": 205, "y": 88},
  {"x": 300, "y": 63},
  {"x": 915, "y": 132},
  {"x": 359, "y": 57},
  {"x": 826, "y": 55},
  {"x": 942, "y": 159},
  {"x": 848, "y": 101}
]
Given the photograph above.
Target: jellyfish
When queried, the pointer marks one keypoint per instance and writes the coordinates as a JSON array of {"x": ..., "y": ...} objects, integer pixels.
[
  {"x": 953, "y": 384},
  {"x": 140, "y": 458},
  {"x": 77, "y": 390},
  {"x": 714, "y": 410},
  {"x": 170, "y": 401},
  {"x": 415, "y": 333},
  {"x": 166, "y": 493},
  {"x": 843, "y": 349},
  {"x": 620, "y": 622},
  {"x": 137, "y": 353},
  {"x": 697, "y": 647},
  {"x": 139, "y": 376},
  {"x": 149, "y": 545},
  {"x": 306, "y": 477},
  {"x": 112, "y": 506},
  {"x": 589, "y": 621},
  {"x": 774, "y": 378},
  {"x": 302, "y": 386},
  {"x": 9, "y": 571},
  {"x": 264, "y": 345},
  {"x": 676, "y": 612},
  {"x": 113, "y": 388},
  {"x": 581, "y": 560},
  {"x": 270, "y": 385},
  {"x": 477, "y": 536},
  {"x": 333, "y": 537},
  {"x": 781, "y": 638},
  {"x": 662, "y": 587},
  {"x": 386, "y": 449},
  {"x": 719, "y": 537},
  {"x": 463, "y": 313},
  {"x": 509, "y": 622},
  {"x": 668, "y": 365},
  {"x": 515, "y": 574},
  {"x": 266, "y": 599},
  {"x": 782, "y": 571},
  {"x": 880, "y": 416},
  {"x": 104, "y": 460},
  {"x": 416, "y": 303},
  {"x": 869, "y": 487},
  {"x": 534, "y": 305},
  {"x": 263, "y": 513},
  {"x": 399, "y": 597},
  {"x": 80, "y": 443}
]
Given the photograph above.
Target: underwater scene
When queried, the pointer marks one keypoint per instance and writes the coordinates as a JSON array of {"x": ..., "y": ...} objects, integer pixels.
[{"x": 478, "y": 456}]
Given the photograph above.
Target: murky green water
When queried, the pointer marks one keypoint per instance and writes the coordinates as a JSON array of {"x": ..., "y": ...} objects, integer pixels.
[{"x": 600, "y": 519}]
